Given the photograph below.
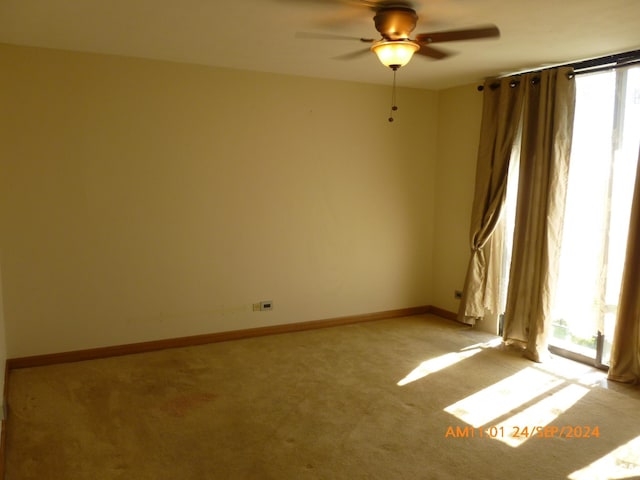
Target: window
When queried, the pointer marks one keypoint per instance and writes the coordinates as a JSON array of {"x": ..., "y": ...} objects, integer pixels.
[{"x": 600, "y": 189}]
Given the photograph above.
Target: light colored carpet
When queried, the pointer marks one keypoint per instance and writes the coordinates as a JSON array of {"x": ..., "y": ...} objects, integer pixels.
[{"x": 377, "y": 400}]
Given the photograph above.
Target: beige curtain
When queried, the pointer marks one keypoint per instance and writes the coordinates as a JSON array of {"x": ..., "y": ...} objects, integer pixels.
[
  {"x": 544, "y": 166},
  {"x": 502, "y": 106},
  {"x": 625, "y": 350}
]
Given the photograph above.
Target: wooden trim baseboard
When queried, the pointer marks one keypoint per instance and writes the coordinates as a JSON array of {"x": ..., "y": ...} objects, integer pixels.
[
  {"x": 441, "y": 312},
  {"x": 132, "y": 348}
]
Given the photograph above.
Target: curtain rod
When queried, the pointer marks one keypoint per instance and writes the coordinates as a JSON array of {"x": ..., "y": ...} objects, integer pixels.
[{"x": 609, "y": 62}]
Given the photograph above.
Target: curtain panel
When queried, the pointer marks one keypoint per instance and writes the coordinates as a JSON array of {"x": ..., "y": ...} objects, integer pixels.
[
  {"x": 625, "y": 349},
  {"x": 502, "y": 106},
  {"x": 544, "y": 168}
]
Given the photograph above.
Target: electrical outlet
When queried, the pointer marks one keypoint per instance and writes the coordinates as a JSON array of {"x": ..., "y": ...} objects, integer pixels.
[
  {"x": 262, "y": 306},
  {"x": 266, "y": 305},
  {"x": 457, "y": 294}
]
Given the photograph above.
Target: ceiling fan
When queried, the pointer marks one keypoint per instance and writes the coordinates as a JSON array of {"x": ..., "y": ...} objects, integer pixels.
[{"x": 395, "y": 20}]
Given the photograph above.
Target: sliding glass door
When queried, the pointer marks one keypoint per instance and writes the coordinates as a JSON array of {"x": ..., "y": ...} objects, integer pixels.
[{"x": 601, "y": 175}]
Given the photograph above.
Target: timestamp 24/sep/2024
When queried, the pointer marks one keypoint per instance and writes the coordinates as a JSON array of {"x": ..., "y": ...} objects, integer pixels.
[{"x": 525, "y": 431}]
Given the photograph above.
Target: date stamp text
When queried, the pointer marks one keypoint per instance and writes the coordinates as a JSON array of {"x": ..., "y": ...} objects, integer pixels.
[{"x": 524, "y": 431}]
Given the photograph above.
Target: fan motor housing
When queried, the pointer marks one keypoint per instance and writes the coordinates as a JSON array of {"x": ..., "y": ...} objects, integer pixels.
[{"x": 395, "y": 23}]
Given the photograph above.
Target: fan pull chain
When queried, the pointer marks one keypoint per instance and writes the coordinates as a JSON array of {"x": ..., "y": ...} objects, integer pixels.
[{"x": 394, "y": 107}]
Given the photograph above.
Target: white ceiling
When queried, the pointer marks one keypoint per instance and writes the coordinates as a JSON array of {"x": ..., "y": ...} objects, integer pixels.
[{"x": 260, "y": 34}]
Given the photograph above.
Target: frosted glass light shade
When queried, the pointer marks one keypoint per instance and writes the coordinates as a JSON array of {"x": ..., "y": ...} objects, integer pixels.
[{"x": 395, "y": 53}]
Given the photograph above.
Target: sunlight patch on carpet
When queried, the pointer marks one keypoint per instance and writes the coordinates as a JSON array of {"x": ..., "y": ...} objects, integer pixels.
[
  {"x": 436, "y": 364},
  {"x": 443, "y": 361},
  {"x": 621, "y": 463},
  {"x": 574, "y": 371},
  {"x": 531, "y": 422},
  {"x": 500, "y": 398}
]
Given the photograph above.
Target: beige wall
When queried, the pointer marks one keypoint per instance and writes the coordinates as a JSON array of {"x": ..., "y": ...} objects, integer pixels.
[
  {"x": 142, "y": 200},
  {"x": 460, "y": 114}
]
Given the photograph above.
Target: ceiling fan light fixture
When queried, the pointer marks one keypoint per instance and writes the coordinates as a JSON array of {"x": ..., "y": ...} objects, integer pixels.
[{"x": 395, "y": 53}]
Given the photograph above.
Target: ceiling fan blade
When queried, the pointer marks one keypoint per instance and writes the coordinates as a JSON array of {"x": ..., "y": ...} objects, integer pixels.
[
  {"x": 488, "y": 31},
  {"x": 432, "y": 52},
  {"x": 315, "y": 1},
  {"x": 331, "y": 36},
  {"x": 352, "y": 55},
  {"x": 371, "y": 4},
  {"x": 341, "y": 18}
]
